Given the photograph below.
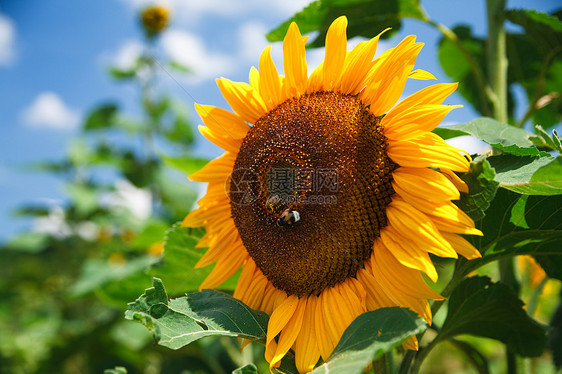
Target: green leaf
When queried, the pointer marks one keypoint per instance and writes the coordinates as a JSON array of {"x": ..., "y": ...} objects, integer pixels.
[
  {"x": 482, "y": 308},
  {"x": 518, "y": 225},
  {"x": 184, "y": 320},
  {"x": 180, "y": 67},
  {"x": 188, "y": 165},
  {"x": 98, "y": 273},
  {"x": 370, "y": 336},
  {"x": 529, "y": 175},
  {"x": 84, "y": 197},
  {"x": 29, "y": 242},
  {"x": 366, "y": 18},
  {"x": 482, "y": 187},
  {"x": 139, "y": 171},
  {"x": 176, "y": 266},
  {"x": 542, "y": 139},
  {"x": 122, "y": 74},
  {"x": 534, "y": 63},
  {"x": 116, "y": 370},
  {"x": 101, "y": 117},
  {"x": 152, "y": 233},
  {"x": 456, "y": 66},
  {"x": 181, "y": 132},
  {"x": 246, "y": 369},
  {"x": 506, "y": 138},
  {"x": 543, "y": 28}
]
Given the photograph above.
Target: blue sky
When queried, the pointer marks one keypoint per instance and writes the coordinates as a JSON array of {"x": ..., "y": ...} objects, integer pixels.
[{"x": 54, "y": 55}]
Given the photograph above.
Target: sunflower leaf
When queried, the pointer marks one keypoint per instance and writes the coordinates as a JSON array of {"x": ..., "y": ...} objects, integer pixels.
[
  {"x": 366, "y": 18},
  {"x": 456, "y": 66},
  {"x": 246, "y": 369},
  {"x": 369, "y": 337},
  {"x": 518, "y": 225},
  {"x": 178, "y": 322},
  {"x": 102, "y": 117},
  {"x": 482, "y": 187},
  {"x": 506, "y": 138},
  {"x": 176, "y": 266},
  {"x": 482, "y": 308},
  {"x": 529, "y": 175}
]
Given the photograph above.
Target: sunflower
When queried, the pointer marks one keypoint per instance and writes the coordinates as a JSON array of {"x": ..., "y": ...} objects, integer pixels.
[{"x": 330, "y": 196}]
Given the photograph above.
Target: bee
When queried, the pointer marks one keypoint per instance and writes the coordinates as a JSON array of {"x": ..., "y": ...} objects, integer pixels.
[
  {"x": 272, "y": 202},
  {"x": 288, "y": 217}
]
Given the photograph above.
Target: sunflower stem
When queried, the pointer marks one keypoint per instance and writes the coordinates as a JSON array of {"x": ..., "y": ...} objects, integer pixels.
[
  {"x": 497, "y": 75},
  {"x": 384, "y": 364}
]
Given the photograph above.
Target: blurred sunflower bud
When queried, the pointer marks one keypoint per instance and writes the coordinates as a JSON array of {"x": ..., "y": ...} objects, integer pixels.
[{"x": 154, "y": 19}]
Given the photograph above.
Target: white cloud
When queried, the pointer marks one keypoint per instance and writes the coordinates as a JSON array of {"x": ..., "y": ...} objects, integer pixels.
[
  {"x": 190, "y": 50},
  {"x": 252, "y": 41},
  {"x": 53, "y": 224},
  {"x": 136, "y": 200},
  {"x": 127, "y": 54},
  {"x": 7, "y": 39},
  {"x": 49, "y": 111}
]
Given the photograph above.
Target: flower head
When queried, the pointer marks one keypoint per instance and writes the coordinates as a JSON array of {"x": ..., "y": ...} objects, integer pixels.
[
  {"x": 335, "y": 194},
  {"x": 154, "y": 19}
]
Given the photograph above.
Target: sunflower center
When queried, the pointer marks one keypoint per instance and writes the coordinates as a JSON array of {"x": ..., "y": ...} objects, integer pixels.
[{"x": 317, "y": 182}]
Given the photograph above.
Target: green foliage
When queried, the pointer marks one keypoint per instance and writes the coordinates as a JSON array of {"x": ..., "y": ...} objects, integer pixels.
[
  {"x": 176, "y": 267},
  {"x": 499, "y": 135},
  {"x": 101, "y": 117},
  {"x": 369, "y": 337},
  {"x": 366, "y": 18},
  {"x": 460, "y": 69},
  {"x": 184, "y": 320},
  {"x": 518, "y": 225},
  {"x": 178, "y": 322},
  {"x": 246, "y": 369},
  {"x": 482, "y": 308},
  {"x": 482, "y": 188}
]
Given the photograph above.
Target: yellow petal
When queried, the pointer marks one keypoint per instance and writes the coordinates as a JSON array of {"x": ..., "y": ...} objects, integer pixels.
[
  {"x": 269, "y": 85},
  {"x": 462, "y": 246},
  {"x": 243, "y": 99},
  {"x": 220, "y": 120},
  {"x": 289, "y": 328},
  {"x": 306, "y": 347},
  {"x": 387, "y": 82},
  {"x": 358, "y": 63},
  {"x": 425, "y": 183},
  {"x": 230, "y": 240},
  {"x": 226, "y": 266},
  {"x": 254, "y": 79},
  {"x": 217, "y": 169},
  {"x": 324, "y": 337},
  {"x": 408, "y": 253},
  {"x": 406, "y": 280},
  {"x": 200, "y": 216},
  {"x": 454, "y": 178},
  {"x": 294, "y": 61},
  {"x": 411, "y": 343},
  {"x": 421, "y": 75},
  {"x": 225, "y": 142},
  {"x": 417, "y": 227},
  {"x": 336, "y": 49},
  {"x": 428, "y": 150},
  {"x": 415, "y": 121}
]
